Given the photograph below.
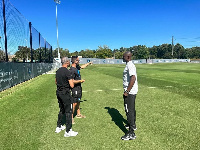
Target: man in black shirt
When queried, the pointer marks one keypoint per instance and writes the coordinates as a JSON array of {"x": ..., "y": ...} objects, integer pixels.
[
  {"x": 77, "y": 90},
  {"x": 64, "y": 81}
]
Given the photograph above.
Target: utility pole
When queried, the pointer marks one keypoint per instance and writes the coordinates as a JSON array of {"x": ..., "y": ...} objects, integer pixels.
[
  {"x": 172, "y": 46},
  {"x": 57, "y": 2}
]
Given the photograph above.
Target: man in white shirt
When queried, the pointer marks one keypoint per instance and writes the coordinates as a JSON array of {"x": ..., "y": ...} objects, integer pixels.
[{"x": 130, "y": 86}]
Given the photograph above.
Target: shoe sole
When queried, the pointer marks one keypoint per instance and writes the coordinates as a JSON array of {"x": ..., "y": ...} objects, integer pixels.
[
  {"x": 70, "y": 135},
  {"x": 129, "y": 139},
  {"x": 80, "y": 117}
]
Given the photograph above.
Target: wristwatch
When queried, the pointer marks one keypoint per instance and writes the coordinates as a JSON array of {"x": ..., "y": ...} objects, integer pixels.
[{"x": 127, "y": 91}]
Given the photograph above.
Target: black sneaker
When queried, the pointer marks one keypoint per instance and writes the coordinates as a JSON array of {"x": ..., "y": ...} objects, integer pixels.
[
  {"x": 127, "y": 127},
  {"x": 129, "y": 136}
]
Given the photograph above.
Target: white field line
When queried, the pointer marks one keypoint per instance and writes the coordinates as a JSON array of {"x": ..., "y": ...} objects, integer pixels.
[
  {"x": 103, "y": 90},
  {"x": 115, "y": 89},
  {"x": 152, "y": 87},
  {"x": 99, "y": 90},
  {"x": 169, "y": 86}
]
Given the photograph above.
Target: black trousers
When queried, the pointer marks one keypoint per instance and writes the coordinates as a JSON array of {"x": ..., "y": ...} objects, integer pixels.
[
  {"x": 129, "y": 104},
  {"x": 65, "y": 105}
]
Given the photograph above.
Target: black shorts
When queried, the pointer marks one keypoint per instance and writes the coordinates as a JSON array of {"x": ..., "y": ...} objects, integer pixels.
[{"x": 76, "y": 94}]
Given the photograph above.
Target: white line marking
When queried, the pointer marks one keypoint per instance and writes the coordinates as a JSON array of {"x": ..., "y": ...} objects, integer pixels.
[
  {"x": 152, "y": 87},
  {"x": 84, "y": 91},
  {"x": 185, "y": 85},
  {"x": 99, "y": 90},
  {"x": 168, "y": 86},
  {"x": 116, "y": 89}
]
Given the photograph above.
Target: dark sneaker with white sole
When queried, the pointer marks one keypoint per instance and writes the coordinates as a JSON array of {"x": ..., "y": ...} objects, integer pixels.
[
  {"x": 127, "y": 126},
  {"x": 129, "y": 136}
]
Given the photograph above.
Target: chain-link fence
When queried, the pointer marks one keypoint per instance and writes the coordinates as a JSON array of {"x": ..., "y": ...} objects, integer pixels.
[
  {"x": 20, "y": 42},
  {"x": 19, "y": 39}
]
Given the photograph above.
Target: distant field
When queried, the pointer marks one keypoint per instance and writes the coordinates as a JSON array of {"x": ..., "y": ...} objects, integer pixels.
[{"x": 167, "y": 105}]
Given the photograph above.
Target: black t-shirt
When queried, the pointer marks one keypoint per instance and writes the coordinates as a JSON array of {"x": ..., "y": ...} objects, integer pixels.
[
  {"x": 62, "y": 77},
  {"x": 75, "y": 75},
  {"x": 78, "y": 67}
]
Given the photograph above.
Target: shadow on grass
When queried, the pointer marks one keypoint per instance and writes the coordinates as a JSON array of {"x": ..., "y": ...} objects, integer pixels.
[
  {"x": 83, "y": 100},
  {"x": 117, "y": 118}
]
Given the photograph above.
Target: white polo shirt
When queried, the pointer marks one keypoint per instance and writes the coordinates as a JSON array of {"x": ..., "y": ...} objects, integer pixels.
[{"x": 129, "y": 71}]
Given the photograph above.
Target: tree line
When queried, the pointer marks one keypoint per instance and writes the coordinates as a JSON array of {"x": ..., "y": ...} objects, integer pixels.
[{"x": 164, "y": 51}]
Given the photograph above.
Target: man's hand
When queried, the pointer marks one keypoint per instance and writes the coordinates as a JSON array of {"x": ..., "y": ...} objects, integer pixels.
[
  {"x": 125, "y": 94},
  {"x": 82, "y": 81}
]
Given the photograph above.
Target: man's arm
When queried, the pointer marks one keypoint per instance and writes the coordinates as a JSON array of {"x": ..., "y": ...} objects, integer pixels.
[
  {"x": 85, "y": 65},
  {"x": 78, "y": 81},
  {"x": 55, "y": 81},
  {"x": 130, "y": 85},
  {"x": 71, "y": 83}
]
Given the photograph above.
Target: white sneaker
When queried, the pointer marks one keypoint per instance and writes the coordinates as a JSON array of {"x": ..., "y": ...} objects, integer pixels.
[
  {"x": 58, "y": 129},
  {"x": 70, "y": 133}
]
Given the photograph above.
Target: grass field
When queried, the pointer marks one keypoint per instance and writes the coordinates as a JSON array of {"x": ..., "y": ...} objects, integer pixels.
[{"x": 167, "y": 105}]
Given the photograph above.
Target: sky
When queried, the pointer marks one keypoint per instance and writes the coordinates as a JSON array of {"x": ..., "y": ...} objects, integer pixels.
[{"x": 87, "y": 24}]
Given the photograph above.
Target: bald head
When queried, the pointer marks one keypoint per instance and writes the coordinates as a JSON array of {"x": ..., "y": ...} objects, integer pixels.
[
  {"x": 128, "y": 53},
  {"x": 127, "y": 56}
]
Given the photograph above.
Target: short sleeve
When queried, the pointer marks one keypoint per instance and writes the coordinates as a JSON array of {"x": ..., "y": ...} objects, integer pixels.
[
  {"x": 78, "y": 67},
  {"x": 69, "y": 75},
  {"x": 131, "y": 69},
  {"x": 72, "y": 73}
]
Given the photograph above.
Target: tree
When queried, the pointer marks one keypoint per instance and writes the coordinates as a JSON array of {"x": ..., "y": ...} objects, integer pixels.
[
  {"x": 153, "y": 52},
  {"x": 104, "y": 52},
  {"x": 166, "y": 50},
  {"x": 63, "y": 53},
  {"x": 2, "y": 55},
  {"x": 119, "y": 55},
  {"x": 76, "y": 53},
  {"x": 141, "y": 52},
  {"x": 87, "y": 53},
  {"x": 193, "y": 52},
  {"x": 23, "y": 53},
  {"x": 179, "y": 51}
]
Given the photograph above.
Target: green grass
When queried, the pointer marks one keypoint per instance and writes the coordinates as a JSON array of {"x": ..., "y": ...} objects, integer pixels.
[{"x": 167, "y": 105}]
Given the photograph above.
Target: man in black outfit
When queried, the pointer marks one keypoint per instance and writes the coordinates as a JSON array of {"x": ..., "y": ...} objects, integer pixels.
[
  {"x": 64, "y": 81},
  {"x": 77, "y": 90}
]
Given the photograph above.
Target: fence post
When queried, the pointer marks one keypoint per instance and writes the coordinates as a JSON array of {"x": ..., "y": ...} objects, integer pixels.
[
  {"x": 31, "y": 41},
  {"x": 40, "y": 49},
  {"x": 45, "y": 50},
  {"x": 51, "y": 56},
  {"x": 5, "y": 35}
]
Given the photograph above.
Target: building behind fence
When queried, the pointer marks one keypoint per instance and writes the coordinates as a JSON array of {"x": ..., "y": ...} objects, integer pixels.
[{"x": 17, "y": 33}]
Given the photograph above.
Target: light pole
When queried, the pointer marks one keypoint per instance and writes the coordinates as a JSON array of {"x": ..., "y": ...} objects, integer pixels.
[{"x": 57, "y": 2}]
